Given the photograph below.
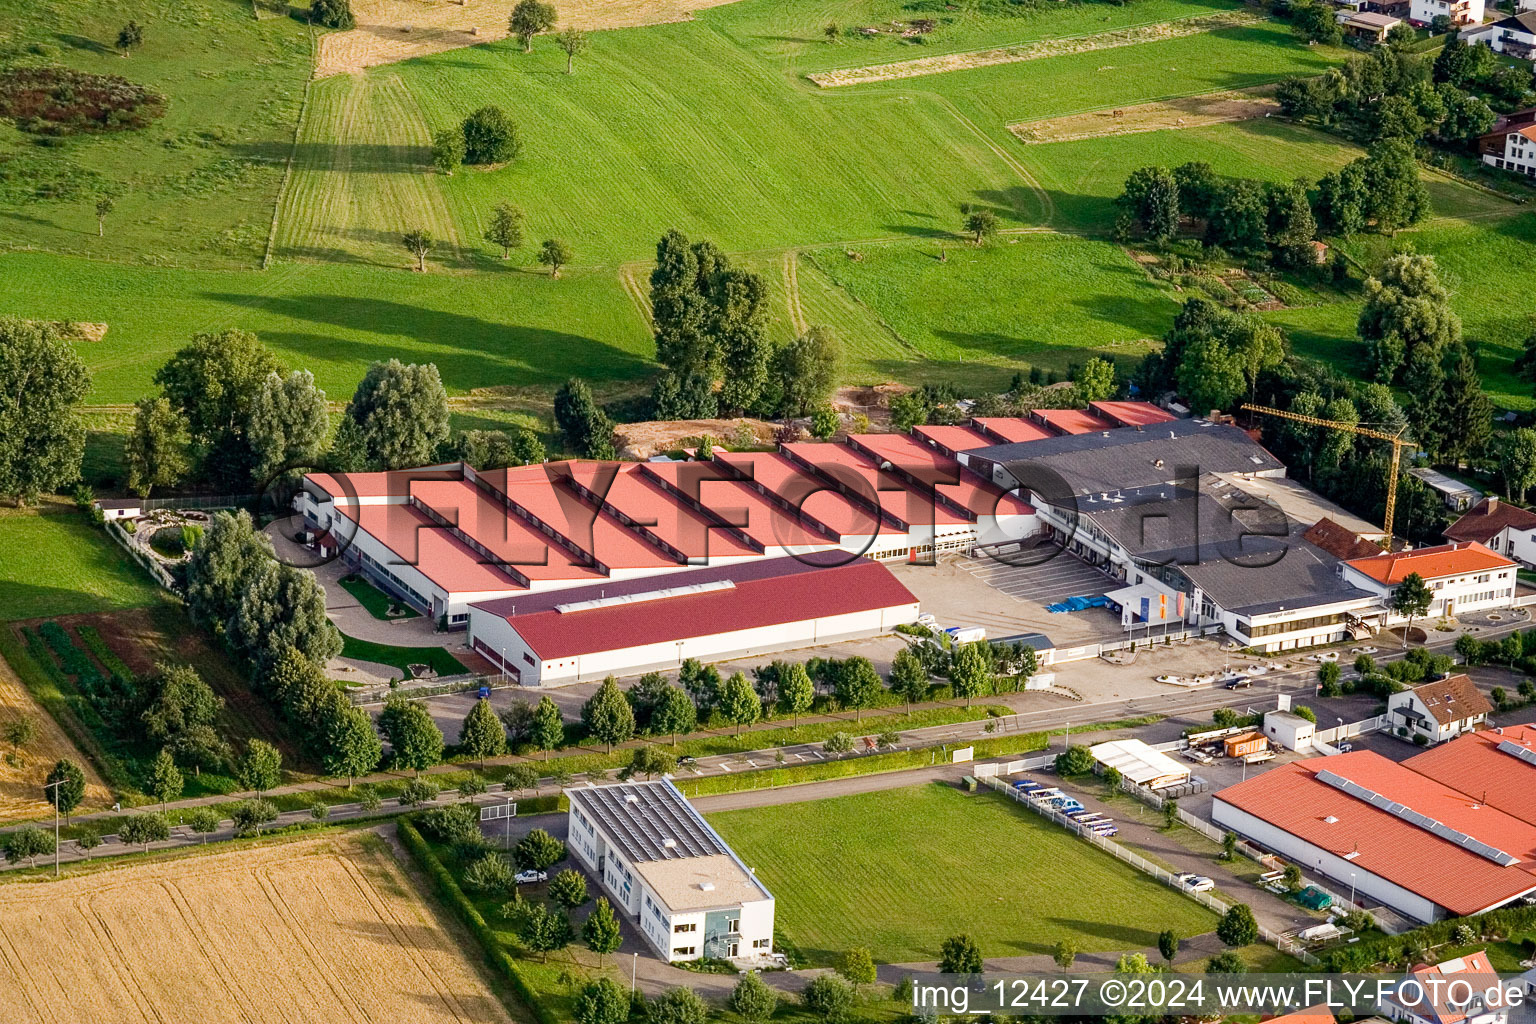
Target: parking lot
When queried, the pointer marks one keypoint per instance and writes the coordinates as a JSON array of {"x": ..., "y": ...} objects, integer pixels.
[{"x": 1060, "y": 576}]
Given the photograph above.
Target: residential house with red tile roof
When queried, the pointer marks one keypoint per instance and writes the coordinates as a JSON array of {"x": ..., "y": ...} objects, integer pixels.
[
  {"x": 1450, "y": 992},
  {"x": 1507, "y": 529},
  {"x": 1438, "y": 711}
]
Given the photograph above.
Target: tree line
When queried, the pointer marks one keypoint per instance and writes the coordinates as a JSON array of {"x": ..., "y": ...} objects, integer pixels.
[{"x": 231, "y": 416}]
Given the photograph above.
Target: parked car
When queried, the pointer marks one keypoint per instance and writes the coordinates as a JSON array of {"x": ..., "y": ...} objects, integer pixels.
[
  {"x": 1198, "y": 756},
  {"x": 1345, "y": 747},
  {"x": 1106, "y": 829},
  {"x": 1240, "y": 683},
  {"x": 927, "y": 619},
  {"x": 687, "y": 761},
  {"x": 1195, "y": 883},
  {"x": 526, "y": 877}
]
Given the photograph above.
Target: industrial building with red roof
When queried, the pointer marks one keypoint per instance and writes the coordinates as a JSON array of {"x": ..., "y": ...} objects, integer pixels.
[
  {"x": 1418, "y": 836},
  {"x": 709, "y": 614}
]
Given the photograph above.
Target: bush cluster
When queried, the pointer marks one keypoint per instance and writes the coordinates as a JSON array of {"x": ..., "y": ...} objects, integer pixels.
[{"x": 62, "y": 101}]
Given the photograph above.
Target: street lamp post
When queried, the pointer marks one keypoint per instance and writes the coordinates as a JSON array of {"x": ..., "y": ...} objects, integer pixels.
[
  {"x": 1351, "y": 888},
  {"x": 55, "y": 787},
  {"x": 507, "y": 827}
]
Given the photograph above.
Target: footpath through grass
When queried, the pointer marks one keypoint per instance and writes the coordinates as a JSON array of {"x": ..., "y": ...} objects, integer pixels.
[{"x": 899, "y": 871}]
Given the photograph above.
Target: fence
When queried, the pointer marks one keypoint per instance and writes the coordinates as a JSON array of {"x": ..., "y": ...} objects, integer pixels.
[
  {"x": 1140, "y": 863},
  {"x": 203, "y": 502},
  {"x": 157, "y": 571},
  {"x": 428, "y": 688}
]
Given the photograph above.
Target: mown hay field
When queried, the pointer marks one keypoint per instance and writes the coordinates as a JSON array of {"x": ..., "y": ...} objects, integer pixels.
[
  {"x": 323, "y": 929},
  {"x": 22, "y": 778}
]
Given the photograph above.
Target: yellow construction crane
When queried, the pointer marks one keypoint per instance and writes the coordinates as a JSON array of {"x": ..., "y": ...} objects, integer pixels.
[{"x": 1397, "y": 441}]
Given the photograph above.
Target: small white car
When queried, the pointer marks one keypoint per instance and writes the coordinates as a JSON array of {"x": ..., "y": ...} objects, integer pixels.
[
  {"x": 1195, "y": 883},
  {"x": 526, "y": 877}
]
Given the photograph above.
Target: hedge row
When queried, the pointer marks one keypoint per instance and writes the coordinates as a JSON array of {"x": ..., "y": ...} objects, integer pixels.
[
  {"x": 1399, "y": 949},
  {"x": 450, "y": 893}
]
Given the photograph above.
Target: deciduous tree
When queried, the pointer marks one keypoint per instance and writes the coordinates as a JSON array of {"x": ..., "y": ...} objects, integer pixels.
[
  {"x": 42, "y": 382},
  {"x": 402, "y": 410},
  {"x": 490, "y": 136},
  {"x": 156, "y": 451},
  {"x": 547, "y": 730},
  {"x": 752, "y": 1000},
  {"x": 415, "y": 741},
  {"x": 574, "y": 42},
  {"x": 165, "y": 780},
  {"x": 418, "y": 242},
  {"x": 289, "y": 424},
  {"x": 554, "y": 254},
  {"x": 65, "y": 786},
  {"x": 505, "y": 231},
  {"x": 529, "y": 18},
  {"x": 600, "y": 1001},
  {"x": 448, "y": 149},
  {"x": 261, "y": 768},
  {"x": 796, "y": 691},
  {"x": 352, "y": 746},
  {"x": 608, "y": 716},
  {"x": 482, "y": 735},
  {"x": 214, "y": 381}
]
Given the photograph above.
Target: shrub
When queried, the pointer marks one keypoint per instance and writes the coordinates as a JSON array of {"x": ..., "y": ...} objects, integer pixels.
[
  {"x": 332, "y": 13},
  {"x": 491, "y": 874},
  {"x": 62, "y": 101},
  {"x": 490, "y": 137},
  {"x": 418, "y": 791},
  {"x": 1237, "y": 926},
  {"x": 452, "y": 823},
  {"x": 249, "y": 815}
]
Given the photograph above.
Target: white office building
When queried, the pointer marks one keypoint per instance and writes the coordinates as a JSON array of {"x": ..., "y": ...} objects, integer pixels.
[{"x": 661, "y": 864}]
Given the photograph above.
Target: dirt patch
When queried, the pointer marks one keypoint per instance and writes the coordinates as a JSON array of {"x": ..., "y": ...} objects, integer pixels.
[
  {"x": 652, "y": 437},
  {"x": 21, "y": 784},
  {"x": 324, "y": 929},
  {"x": 394, "y": 30},
  {"x": 1034, "y": 51},
  {"x": 75, "y": 330},
  {"x": 1186, "y": 112},
  {"x": 871, "y": 400}
]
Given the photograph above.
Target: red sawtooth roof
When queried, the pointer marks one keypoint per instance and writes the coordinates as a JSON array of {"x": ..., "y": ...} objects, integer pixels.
[
  {"x": 559, "y": 507},
  {"x": 807, "y": 492},
  {"x": 505, "y": 535},
  {"x": 1430, "y": 563},
  {"x": 1071, "y": 421},
  {"x": 1131, "y": 414},
  {"x": 1292, "y": 798},
  {"x": 739, "y": 504},
  {"x": 648, "y": 506},
  {"x": 840, "y": 462},
  {"x": 1474, "y": 764},
  {"x": 1012, "y": 429},
  {"x": 797, "y": 592},
  {"x": 954, "y": 438},
  {"x": 432, "y": 550},
  {"x": 347, "y": 487},
  {"x": 972, "y": 492}
]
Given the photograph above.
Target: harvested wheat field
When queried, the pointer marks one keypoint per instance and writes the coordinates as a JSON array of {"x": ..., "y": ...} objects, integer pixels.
[
  {"x": 1184, "y": 112},
  {"x": 21, "y": 785},
  {"x": 394, "y": 30},
  {"x": 325, "y": 930},
  {"x": 1176, "y": 29}
]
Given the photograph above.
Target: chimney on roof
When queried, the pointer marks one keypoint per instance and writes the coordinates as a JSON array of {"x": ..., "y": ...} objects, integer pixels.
[{"x": 1491, "y": 505}]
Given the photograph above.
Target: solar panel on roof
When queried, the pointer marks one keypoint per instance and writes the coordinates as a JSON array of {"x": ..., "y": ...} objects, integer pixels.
[
  {"x": 1525, "y": 754},
  {"x": 1413, "y": 817}
]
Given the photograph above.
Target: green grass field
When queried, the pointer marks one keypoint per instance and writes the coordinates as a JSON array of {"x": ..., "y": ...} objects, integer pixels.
[
  {"x": 507, "y": 328},
  {"x": 928, "y": 862},
  {"x": 60, "y": 564},
  {"x": 197, "y": 186},
  {"x": 1037, "y": 299}
]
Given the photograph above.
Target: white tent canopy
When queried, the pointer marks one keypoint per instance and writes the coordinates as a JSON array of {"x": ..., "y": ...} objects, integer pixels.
[{"x": 1140, "y": 763}]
